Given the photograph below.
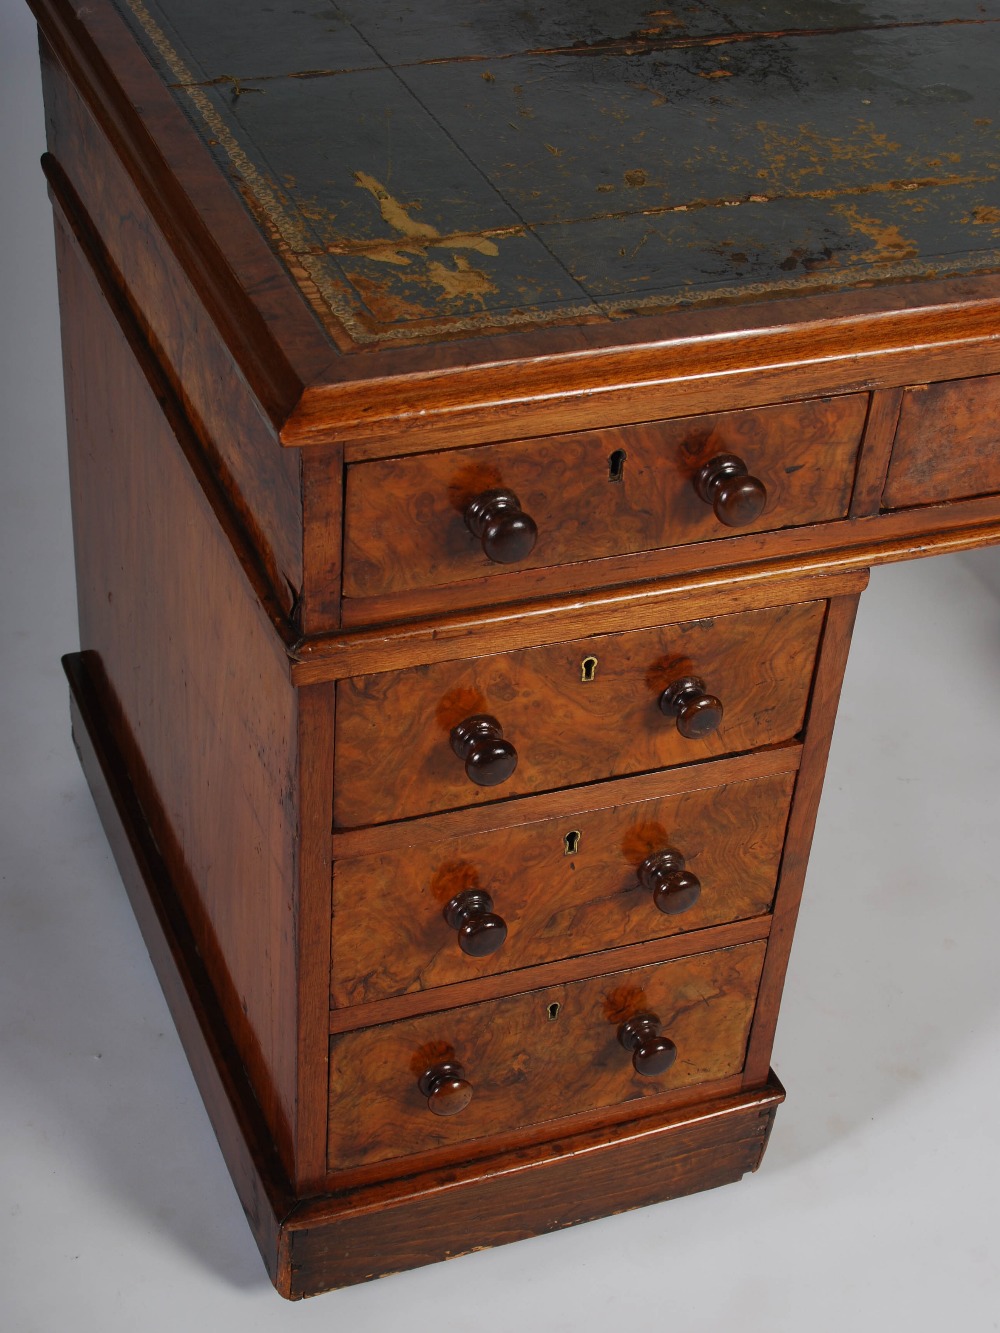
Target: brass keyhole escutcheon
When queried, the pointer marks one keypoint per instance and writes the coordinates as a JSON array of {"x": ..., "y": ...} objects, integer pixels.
[
  {"x": 588, "y": 669},
  {"x": 571, "y": 842},
  {"x": 553, "y": 1011}
]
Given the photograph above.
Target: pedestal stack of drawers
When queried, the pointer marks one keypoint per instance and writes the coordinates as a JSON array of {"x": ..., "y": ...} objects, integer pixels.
[{"x": 457, "y": 675}]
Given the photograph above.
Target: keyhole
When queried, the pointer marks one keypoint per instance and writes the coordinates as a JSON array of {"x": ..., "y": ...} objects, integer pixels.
[
  {"x": 588, "y": 669},
  {"x": 553, "y": 1012},
  {"x": 616, "y": 465},
  {"x": 571, "y": 842}
]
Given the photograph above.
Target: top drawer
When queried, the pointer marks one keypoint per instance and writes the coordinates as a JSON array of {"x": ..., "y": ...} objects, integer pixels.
[
  {"x": 947, "y": 444},
  {"x": 596, "y": 493}
]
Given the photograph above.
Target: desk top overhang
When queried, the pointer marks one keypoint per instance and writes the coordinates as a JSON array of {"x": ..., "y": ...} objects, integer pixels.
[{"x": 458, "y": 206}]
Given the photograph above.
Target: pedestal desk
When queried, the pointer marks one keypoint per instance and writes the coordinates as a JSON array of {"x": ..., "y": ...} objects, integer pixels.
[{"x": 482, "y": 420}]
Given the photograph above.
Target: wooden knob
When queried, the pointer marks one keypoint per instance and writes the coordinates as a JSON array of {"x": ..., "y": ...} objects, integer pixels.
[
  {"x": 652, "y": 1053},
  {"x": 674, "y": 889},
  {"x": 697, "y": 712},
  {"x": 480, "y": 931},
  {"x": 507, "y": 533},
  {"x": 737, "y": 498},
  {"x": 445, "y": 1088},
  {"x": 489, "y": 759}
]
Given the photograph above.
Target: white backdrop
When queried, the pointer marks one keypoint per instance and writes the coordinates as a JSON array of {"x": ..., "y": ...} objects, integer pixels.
[{"x": 877, "y": 1204}]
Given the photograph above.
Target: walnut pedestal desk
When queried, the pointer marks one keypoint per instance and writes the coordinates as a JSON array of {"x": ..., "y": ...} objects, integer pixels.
[{"x": 482, "y": 420}]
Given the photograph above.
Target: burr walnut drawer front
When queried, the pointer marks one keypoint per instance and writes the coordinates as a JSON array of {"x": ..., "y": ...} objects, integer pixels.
[
  {"x": 439, "y": 518},
  {"x": 429, "y": 911},
  {"x": 458, "y": 733},
  {"x": 947, "y": 444},
  {"x": 467, "y": 1073}
]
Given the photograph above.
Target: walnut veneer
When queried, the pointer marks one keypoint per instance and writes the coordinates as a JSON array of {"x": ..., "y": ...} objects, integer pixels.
[{"x": 467, "y": 558}]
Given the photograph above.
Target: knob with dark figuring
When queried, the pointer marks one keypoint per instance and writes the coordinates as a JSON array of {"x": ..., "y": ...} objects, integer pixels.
[
  {"x": 674, "y": 888},
  {"x": 507, "y": 533},
  {"x": 737, "y": 498},
  {"x": 480, "y": 931},
  {"x": 489, "y": 759},
  {"x": 445, "y": 1087},
  {"x": 652, "y": 1053},
  {"x": 698, "y": 713}
]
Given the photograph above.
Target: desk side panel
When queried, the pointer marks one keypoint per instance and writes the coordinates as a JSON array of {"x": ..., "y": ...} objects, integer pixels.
[{"x": 195, "y": 683}]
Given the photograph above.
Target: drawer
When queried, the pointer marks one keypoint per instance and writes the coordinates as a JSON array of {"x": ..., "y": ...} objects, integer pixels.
[
  {"x": 556, "y": 887},
  {"x": 947, "y": 444},
  {"x": 537, "y": 1056},
  {"x": 569, "y": 713},
  {"x": 594, "y": 494}
]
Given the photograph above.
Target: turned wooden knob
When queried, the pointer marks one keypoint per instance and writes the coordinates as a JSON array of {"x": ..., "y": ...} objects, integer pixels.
[
  {"x": 445, "y": 1088},
  {"x": 674, "y": 889},
  {"x": 652, "y": 1053},
  {"x": 697, "y": 712},
  {"x": 507, "y": 533},
  {"x": 737, "y": 498},
  {"x": 489, "y": 759},
  {"x": 480, "y": 931}
]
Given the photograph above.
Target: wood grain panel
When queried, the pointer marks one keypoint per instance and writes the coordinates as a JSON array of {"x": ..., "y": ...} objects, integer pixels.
[
  {"x": 404, "y": 525},
  {"x": 947, "y": 444},
  {"x": 245, "y": 1138},
  {"x": 394, "y": 757},
  {"x": 199, "y": 679},
  {"x": 391, "y": 936},
  {"x": 527, "y": 1067}
]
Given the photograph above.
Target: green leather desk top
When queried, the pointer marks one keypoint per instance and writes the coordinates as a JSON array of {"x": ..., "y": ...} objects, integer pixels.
[{"x": 462, "y": 166}]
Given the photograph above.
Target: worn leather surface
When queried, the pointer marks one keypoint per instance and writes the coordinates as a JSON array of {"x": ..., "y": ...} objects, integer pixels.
[{"x": 438, "y": 169}]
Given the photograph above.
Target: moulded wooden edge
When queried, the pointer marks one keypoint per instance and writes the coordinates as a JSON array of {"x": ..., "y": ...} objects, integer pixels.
[
  {"x": 316, "y": 1244},
  {"x": 823, "y": 348},
  {"x": 484, "y": 632}
]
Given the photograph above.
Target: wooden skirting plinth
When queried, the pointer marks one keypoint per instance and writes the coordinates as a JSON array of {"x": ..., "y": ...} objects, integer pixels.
[
  {"x": 575, "y": 1179},
  {"x": 314, "y": 1244}
]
